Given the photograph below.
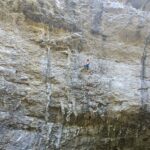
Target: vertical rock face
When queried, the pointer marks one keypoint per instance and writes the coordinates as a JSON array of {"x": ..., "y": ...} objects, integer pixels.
[{"x": 48, "y": 100}]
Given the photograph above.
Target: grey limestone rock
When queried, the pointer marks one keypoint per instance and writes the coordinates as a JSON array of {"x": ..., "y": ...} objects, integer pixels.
[{"x": 49, "y": 100}]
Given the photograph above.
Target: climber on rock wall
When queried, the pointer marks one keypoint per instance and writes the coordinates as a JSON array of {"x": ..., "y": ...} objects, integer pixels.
[{"x": 87, "y": 64}]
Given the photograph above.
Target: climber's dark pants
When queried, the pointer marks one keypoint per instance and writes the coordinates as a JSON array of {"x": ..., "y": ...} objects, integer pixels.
[{"x": 86, "y": 66}]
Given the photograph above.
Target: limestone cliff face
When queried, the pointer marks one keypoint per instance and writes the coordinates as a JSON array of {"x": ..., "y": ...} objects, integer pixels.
[{"x": 48, "y": 100}]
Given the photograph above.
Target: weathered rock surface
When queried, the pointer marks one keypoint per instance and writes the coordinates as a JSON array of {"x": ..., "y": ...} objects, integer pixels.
[{"x": 48, "y": 100}]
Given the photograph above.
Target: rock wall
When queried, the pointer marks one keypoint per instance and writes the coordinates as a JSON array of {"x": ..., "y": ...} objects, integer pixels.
[{"x": 48, "y": 100}]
